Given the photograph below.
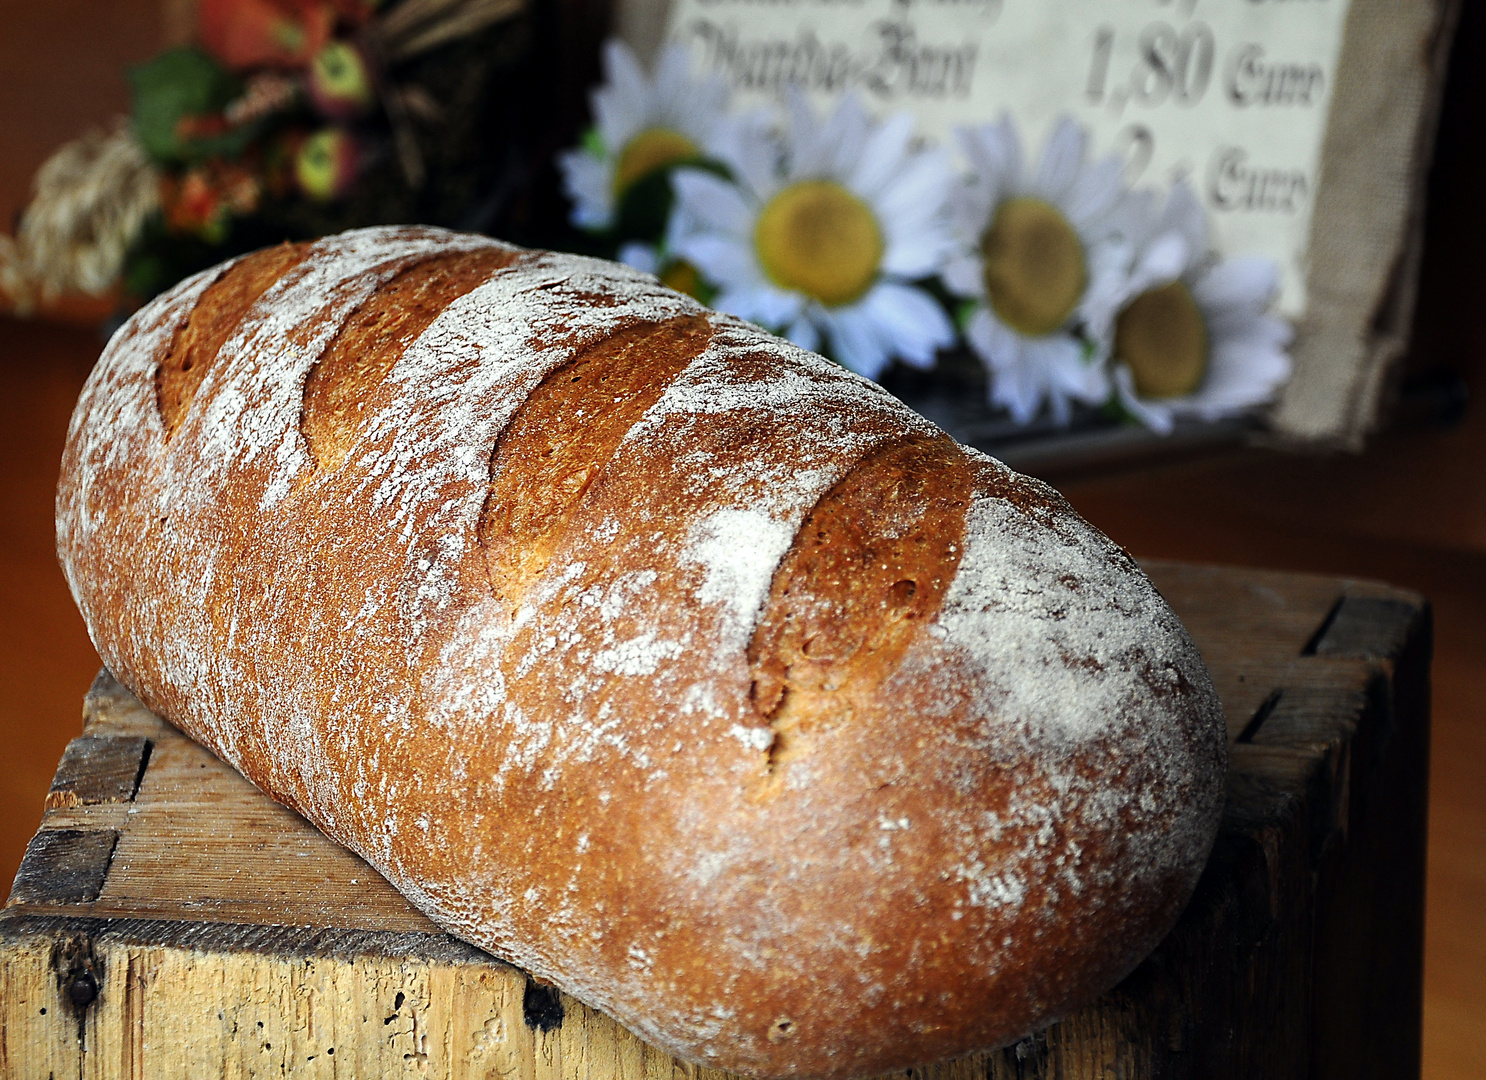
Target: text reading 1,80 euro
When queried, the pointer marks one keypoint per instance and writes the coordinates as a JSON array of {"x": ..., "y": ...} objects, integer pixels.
[{"x": 1177, "y": 65}]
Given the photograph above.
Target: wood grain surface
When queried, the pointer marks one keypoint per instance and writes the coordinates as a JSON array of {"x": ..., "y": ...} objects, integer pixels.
[{"x": 168, "y": 918}]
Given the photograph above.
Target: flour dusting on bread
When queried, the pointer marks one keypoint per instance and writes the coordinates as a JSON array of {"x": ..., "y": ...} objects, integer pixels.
[{"x": 991, "y": 814}]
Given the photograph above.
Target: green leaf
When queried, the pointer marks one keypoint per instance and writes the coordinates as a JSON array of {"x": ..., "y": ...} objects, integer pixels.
[
  {"x": 1114, "y": 409},
  {"x": 179, "y": 83},
  {"x": 964, "y": 311},
  {"x": 645, "y": 209},
  {"x": 146, "y": 275}
]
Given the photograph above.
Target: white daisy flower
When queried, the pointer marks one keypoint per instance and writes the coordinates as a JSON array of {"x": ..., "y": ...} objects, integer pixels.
[
  {"x": 824, "y": 245},
  {"x": 642, "y": 125},
  {"x": 1190, "y": 337},
  {"x": 1039, "y": 252}
]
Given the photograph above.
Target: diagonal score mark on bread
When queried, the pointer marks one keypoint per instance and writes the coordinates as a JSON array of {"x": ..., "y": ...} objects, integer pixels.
[
  {"x": 214, "y": 319},
  {"x": 369, "y": 343},
  {"x": 870, "y": 564},
  {"x": 564, "y": 434}
]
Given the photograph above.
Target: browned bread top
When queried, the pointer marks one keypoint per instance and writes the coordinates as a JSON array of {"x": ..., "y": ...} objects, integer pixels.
[{"x": 675, "y": 664}]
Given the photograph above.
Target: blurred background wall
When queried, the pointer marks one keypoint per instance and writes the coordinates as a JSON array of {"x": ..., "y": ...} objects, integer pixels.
[{"x": 62, "y": 69}]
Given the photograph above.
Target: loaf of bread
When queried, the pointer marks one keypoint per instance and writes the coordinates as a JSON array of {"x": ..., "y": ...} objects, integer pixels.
[{"x": 674, "y": 664}]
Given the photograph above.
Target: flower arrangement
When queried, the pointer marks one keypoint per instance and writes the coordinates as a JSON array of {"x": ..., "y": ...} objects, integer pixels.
[
  {"x": 839, "y": 233},
  {"x": 282, "y": 119},
  {"x": 297, "y": 118},
  {"x": 93, "y": 198}
]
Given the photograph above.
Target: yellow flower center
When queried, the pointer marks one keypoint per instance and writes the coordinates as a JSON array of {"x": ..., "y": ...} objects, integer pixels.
[
  {"x": 683, "y": 277},
  {"x": 817, "y": 238},
  {"x": 652, "y": 149},
  {"x": 1035, "y": 271},
  {"x": 1161, "y": 335}
]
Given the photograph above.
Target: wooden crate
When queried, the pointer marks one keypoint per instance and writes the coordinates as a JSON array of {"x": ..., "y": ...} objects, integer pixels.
[{"x": 170, "y": 921}]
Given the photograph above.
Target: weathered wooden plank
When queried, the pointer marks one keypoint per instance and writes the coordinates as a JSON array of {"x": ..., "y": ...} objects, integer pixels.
[
  {"x": 1252, "y": 626},
  {"x": 64, "y": 866},
  {"x": 268, "y": 865},
  {"x": 1368, "y": 960},
  {"x": 202, "y": 927},
  {"x": 99, "y": 769},
  {"x": 1374, "y": 627},
  {"x": 110, "y": 708}
]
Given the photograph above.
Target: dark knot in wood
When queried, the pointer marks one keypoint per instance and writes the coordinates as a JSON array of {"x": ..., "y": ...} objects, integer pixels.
[
  {"x": 82, "y": 989},
  {"x": 541, "y": 1006}
]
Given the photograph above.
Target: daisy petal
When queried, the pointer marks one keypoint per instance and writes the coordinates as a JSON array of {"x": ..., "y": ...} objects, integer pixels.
[
  {"x": 672, "y": 73},
  {"x": 855, "y": 342},
  {"x": 970, "y": 205},
  {"x": 1061, "y": 160},
  {"x": 804, "y": 334},
  {"x": 1018, "y": 391},
  {"x": 1111, "y": 285},
  {"x": 1095, "y": 191},
  {"x": 918, "y": 254},
  {"x": 1183, "y": 214},
  {"x": 586, "y": 182},
  {"x": 1245, "y": 282},
  {"x": 1136, "y": 217},
  {"x": 622, "y": 105},
  {"x": 1013, "y": 385},
  {"x": 723, "y": 259},
  {"x": 754, "y": 157},
  {"x": 807, "y": 150},
  {"x": 1050, "y": 368},
  {"x": 998, "y": 346},
  {"x": 1243, "y": 374},
  {"x": 882, "y": 157},
  {"x": 917, "y": 193},
  {"x": 1154, "y": 415},
  {"x": 640, "y": 256},
  {"x": 1164, "y": 260},
  {"x": 712, "y": 202},
  {"x": 781, "y": 308},
  {"x": 994, "y": 152},
  {"x": 698, "y": 110},
  {"x": 1066, "y": 371},
  {"x": 1248, "y": 329},
  {"x": 760, "y": 304},
  {"x": 964, "y": 275},
  {"x": 622, "y": 69},
  {"x": 912, "y": 324},
  {"x": 845, "y": 136}
]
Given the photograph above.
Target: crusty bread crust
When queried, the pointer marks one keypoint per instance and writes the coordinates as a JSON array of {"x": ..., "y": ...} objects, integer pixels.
[{"x": 670, "y": 662}]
